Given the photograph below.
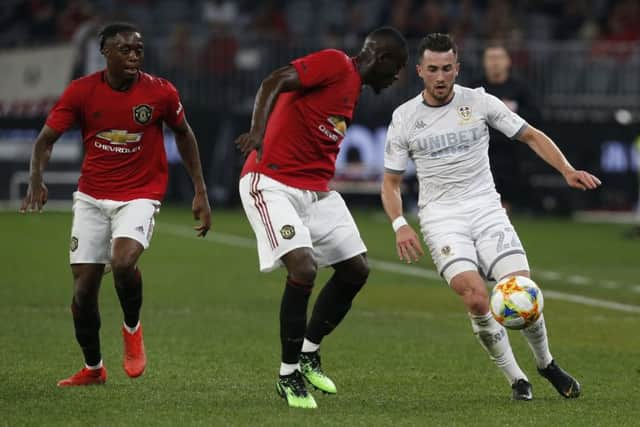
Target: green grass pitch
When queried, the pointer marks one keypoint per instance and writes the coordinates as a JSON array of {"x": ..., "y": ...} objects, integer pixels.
[{"x": 405, "y": 355}]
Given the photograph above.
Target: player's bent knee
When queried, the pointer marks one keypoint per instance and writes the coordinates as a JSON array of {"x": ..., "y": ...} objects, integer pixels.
[
  {"x": 301, "y": 265},
  {"x": 354, "y": 271},
  {"x": 123, "y": 264}
]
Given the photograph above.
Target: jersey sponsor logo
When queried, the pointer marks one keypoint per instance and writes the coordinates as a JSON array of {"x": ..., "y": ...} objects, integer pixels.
[
  {"x": 464, "y": 111},
  {"x": 74, "y": 244},
  {"x": 287, "y": 232},
  {"x": 142, "y": 113},
  {"x": 336, "y": 130},
  {"x": 451, "y": 142},
  {"x": 119, "y": 137}
]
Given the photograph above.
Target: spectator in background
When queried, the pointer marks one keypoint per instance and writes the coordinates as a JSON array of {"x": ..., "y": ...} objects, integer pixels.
[
  {"x": 270, "y": 20},
  {"x": 504, "y": 153},
  {"x": 621, "y": 31},
  {"x": 74, "y": 14}
]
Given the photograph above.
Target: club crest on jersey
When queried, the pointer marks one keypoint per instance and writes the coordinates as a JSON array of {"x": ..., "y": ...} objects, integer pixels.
[
  {"x": 465, "y": 112},
  {"x": 287, "y": 232},
  {"x": 142, "y": 113}
]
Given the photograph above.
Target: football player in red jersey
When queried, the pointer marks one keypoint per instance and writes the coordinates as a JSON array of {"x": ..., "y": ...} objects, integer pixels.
[
  {"x": 300, "y": 116},
  {"x": 121, "y": 111}
]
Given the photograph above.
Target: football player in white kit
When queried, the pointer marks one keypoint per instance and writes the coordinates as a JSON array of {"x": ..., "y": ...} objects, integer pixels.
[{"x": 444, "y": 131}]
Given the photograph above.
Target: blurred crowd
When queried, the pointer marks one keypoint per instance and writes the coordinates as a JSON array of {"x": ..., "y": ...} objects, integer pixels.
[
  {"x": 227, "y": 46},
  {"x": 31, "y": 22}
]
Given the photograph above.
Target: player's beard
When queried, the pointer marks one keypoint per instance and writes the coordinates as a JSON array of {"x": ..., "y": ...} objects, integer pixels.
[{"x": 441, "y": 95}]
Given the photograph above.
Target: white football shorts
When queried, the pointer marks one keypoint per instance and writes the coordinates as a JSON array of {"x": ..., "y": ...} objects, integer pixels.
[
  {"x": 284, "y": 218},
  {"x": 97, "y": 222},
  {"x": 474, "y": 234}
]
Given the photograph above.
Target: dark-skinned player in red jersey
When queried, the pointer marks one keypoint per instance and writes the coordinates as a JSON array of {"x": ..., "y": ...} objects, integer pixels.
[
  {"x": 121, "y": 111},
  {"x": 300, "y": 116}
]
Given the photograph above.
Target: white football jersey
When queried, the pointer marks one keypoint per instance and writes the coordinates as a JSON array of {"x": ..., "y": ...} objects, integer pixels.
[{"x": 449, "y": 144}]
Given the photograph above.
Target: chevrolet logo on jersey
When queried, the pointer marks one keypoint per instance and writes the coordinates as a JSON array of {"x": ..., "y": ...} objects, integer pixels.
[
  {"x": 116, "y": 136},
  {"x": 339, "y": 125},
  {"x": 337, "y": 129}
]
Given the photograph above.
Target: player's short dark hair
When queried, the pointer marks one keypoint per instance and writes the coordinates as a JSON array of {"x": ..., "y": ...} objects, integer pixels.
[
  {"x": 437, "y": 42},
  {"x": 110, "y": 30},
  {"x": 389, "y": 35},
  {"x": 496, "y": 44}
]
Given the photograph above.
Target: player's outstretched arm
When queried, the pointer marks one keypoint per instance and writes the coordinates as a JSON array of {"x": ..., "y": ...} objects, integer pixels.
[
  {"x": 284, "y": 79},
  {"x": 550, "y": 153},
  {"x": 37, "y": 192},
  {"x": 407, "y": 241},
  {"x": 188, "y": 148}
]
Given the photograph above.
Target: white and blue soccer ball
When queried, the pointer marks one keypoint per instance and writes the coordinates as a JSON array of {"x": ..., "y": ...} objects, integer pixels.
[{"x": 516, "y": 302}]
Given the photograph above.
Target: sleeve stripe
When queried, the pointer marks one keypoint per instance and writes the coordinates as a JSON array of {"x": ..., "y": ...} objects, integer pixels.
[
  {"x": 519, "y": 132},
  {"x": 393, "y": 171}
]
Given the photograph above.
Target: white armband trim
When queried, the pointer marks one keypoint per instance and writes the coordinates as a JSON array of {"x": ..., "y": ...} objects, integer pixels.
[{"x": 398, "y": 222}]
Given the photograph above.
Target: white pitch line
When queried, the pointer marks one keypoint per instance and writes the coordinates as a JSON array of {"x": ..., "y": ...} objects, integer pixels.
[{"x": 395, "y": 267}]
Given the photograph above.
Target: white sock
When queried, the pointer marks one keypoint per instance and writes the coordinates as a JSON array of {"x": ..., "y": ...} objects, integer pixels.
[
  {"x": 536, "y": 336},
  {"x": 288, "y": 368},
  {"x": 494, "y": 339},
  {"x": 131, "y": 330},
  {"x": 309, "y": 347},
  {"x": 98, "y": 366}
]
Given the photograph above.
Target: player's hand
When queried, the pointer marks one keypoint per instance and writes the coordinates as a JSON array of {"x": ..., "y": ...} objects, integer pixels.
[
  {"x": 408, "y": 244},
  {"x": 582, "y": 180},
  {"x": 201, "y": 211},
  {"x": 248, "y": 142},
  {"x": 36, "y": 198}
]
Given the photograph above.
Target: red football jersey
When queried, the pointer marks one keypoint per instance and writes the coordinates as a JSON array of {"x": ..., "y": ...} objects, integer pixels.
[
  {"x": 124, "y": 156},
  {"x": 306, "y": 127}
]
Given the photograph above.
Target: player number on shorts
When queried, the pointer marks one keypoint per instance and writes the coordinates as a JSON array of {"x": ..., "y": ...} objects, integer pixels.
[{"x": 502, "y": 236}]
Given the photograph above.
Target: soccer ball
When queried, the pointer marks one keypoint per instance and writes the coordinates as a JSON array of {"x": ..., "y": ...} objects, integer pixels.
[{"x": 516, "y": 302}]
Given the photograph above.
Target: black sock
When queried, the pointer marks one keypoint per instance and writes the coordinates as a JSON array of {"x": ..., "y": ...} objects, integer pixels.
[
  {"x": 293, "y": 319},
  {"x": 332, "y": 305},
  {"x": 87, "y": 327},
  {"x": 129, "y": 291}
]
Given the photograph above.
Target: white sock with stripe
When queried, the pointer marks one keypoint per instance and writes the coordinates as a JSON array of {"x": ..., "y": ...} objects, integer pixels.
[
  {"x": 494, "y": 339},
  {"x": 536, "y": 336},
  {"x": 289, "y": 368}
]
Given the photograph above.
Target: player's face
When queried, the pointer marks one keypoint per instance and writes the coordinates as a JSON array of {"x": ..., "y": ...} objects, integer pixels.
[
  {"x": 124, "y": 54},
  {"x": 496, "y": 61},
  {"x": 438, "y": 71},
  {"x": 385, "y": 71}
]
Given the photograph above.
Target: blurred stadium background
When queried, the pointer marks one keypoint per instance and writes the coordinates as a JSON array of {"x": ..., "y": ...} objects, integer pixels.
[
  {"x": 580, "y": 58},
  {"x": 406, "y": 355}
]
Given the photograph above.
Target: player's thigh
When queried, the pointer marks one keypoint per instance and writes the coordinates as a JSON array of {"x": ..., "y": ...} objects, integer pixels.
[
  {"x": 135, "y": 220},
  {"x": 334, "y": 232},
  {"x": 90, "y": 232},
  {"x": 500, "y": 251},
  {"x": 272, "y": 209},
  {"x": 448, "y": 238}
]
